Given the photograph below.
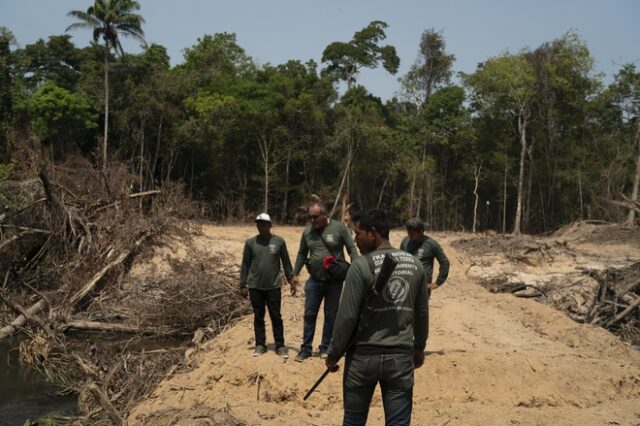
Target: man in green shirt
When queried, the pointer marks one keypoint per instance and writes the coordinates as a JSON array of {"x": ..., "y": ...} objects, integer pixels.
[
  {"x": 260, "y": 273},
  {"x": 426, "y": 249},
  {"x": 324, "y": 237},
  {"x": 392, "y": 345}
]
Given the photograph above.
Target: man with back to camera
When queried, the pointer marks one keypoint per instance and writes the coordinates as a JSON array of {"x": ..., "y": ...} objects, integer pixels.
[
  {"x": 426, "y": 249},
  {"x": 260, "y": 273},
  {"x": 392, "y": 345},
  {"x": 322, "y": 238}
]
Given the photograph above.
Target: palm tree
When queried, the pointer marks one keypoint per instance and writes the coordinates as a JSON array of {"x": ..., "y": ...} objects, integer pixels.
[{"x": 109, "y": 19}]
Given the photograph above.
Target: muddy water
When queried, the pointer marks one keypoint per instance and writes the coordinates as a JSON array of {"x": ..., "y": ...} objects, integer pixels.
[{"x": 24, "y": 393}]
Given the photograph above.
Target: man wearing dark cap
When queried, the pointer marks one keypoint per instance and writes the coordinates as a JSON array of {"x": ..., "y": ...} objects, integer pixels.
[{"x": 260, "y": 273}]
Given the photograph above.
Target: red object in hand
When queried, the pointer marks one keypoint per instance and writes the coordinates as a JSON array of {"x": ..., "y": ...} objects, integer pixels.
[{"x": 327, "y": 261}]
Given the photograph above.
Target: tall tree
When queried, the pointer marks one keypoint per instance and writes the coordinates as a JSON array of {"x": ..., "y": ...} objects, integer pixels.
[
  {"x": 6, "y": 40},
  {"x": 431, "y": 70},
  {"x": 626, "y": 94},
  {"x": 363, "y": 51},
  {"x": 508, "y": 80},
  {"x": 109, "y": 19}
]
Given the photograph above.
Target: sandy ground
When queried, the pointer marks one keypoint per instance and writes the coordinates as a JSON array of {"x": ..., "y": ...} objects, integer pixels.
[{"x": 493, "y": 359}]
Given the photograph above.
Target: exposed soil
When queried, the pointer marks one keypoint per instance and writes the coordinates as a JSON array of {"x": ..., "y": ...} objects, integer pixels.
[{"x": 493, "y": 359}]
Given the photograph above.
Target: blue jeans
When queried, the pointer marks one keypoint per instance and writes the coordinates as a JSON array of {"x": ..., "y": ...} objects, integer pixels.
[
  {"x": 314, "y": 292},
  {"x": 362, "y": 373}
]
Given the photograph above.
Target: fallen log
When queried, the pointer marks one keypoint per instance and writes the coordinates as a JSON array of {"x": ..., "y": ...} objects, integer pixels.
[
  {"x": 21, "y": 320},
  {"x": 624, "y": 313},
  {"x": 88, "y": 287},
  {"x": 112, "y": 327},
  {"x": 106, "y": 405}
]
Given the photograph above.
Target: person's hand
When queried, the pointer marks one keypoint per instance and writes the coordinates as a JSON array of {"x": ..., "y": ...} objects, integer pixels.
[
  {"x": 295, "y": 280},
  {"x": 294, "y": 288},
  {"x": 332, "y": 364},
  {"x": 418, "y": 358},
  {"x": 432, "y": 286},
  {"x": 244, "y": 292}
]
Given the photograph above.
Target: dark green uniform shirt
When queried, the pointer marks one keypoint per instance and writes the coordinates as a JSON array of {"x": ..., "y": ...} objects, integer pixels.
[
  {"x": 313, "y": 251},
  {"x": 426, "y": 251},
  {"x": 401, "y": 320},
  {"x": 261, "y": 263}
]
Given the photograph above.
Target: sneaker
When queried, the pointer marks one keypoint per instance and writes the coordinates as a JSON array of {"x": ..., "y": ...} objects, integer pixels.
[
  {"x": 302, "y": 356},
  {"x": 259, "y": 350},
  {"x": 324, "y": 355},
  {"x": 282, "y": 352}
]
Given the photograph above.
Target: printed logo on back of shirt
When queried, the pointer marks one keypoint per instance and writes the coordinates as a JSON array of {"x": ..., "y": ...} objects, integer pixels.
[
  {"x": 396, "y": 290},
  {"x": 420, "y": 252},
  {"x": 330, "y": 238},
  {"x": 272, "y": 248}
]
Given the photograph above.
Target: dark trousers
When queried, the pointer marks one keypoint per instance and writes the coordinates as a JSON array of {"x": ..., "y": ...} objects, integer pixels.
[
  {"x": 315, "y": 292},
  {"x": 270, "y": 299},
  {"x": 362, "y": 373}
]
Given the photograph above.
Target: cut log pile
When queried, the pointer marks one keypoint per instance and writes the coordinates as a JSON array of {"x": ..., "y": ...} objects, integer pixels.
[
  {"x": 594, "y": 292},
  {"x": 67, "y": 242}
]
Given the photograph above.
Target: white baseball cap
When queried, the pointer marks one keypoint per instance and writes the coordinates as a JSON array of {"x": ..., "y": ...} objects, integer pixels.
[{"x": 263, "y": 217}]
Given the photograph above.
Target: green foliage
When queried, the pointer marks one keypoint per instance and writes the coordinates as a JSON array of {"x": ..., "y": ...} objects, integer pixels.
[
  {"x": 5, "y": 171},
  {"x": 108, "y": 19},
  {"x": 363, "y": 51},
  {"x": 243, "y": 136},
  {"x": 60, "y": 115}
]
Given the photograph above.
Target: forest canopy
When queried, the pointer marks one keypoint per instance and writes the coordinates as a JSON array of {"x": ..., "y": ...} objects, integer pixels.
[{"x": 528, "y": 142}]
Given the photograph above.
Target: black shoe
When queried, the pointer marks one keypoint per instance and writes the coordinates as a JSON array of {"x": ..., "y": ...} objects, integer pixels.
[
  {"x": 283, "y": 352},
  {"x": 260, "y": 350},
  {"x": 302, "y": 356}
]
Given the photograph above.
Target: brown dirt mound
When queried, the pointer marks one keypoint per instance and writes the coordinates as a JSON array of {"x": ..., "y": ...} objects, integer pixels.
[{"x": 493, "y": 359}]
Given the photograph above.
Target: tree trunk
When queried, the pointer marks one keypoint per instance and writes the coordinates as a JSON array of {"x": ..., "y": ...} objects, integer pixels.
[
  {"x": 504, "y": 194},
  {"x": 141, "y": 170},
  {"x": 106, "y": 107},
  {"x": 527, "y": 205},
  {"x": 522, "y": 128},
  {"x": 580, "y": 194},
  {"x": 265, "y": 151},
  {"x": 476, "y": 177},
  {"x": 342, "y": 183},
  {"x": 285, "y": 201},
  {"x": 157, "y": 153},
  {"x": 636, "y": 182},
  {"x": 412, "y": 193},
  {"x": 266, "y": 185},
  {"x": 384, "y": 185}
]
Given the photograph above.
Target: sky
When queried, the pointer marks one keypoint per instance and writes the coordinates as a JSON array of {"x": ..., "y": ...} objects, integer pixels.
[{"x": 275, "y": 31}]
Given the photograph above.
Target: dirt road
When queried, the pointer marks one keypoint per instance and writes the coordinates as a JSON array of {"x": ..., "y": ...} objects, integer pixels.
[{"x": 494, "y": 359}]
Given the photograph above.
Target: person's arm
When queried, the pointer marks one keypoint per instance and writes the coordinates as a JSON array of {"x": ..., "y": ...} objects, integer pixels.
[
  {"x": 301, "y": 259},
  {"x": 353, "y": 295},
  {"x": 245, "y": 266},
  {"x": 420, "y": 323},
  {"x": 348, "y": 242},
  {"x": 286, "y": 265},
  {"x": 443, "y": 263}
]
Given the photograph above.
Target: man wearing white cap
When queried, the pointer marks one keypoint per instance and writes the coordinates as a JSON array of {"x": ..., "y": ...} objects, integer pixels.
[{"x": 260, "y": 274}]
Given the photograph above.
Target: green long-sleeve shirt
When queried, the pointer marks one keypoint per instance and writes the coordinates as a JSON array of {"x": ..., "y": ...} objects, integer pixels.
[
  {"x": 401, "y": 320},
  {"x": 261, "y": 260},
  {"x": 313, "y": 251},
  {"x": 426, "y": 250}
]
